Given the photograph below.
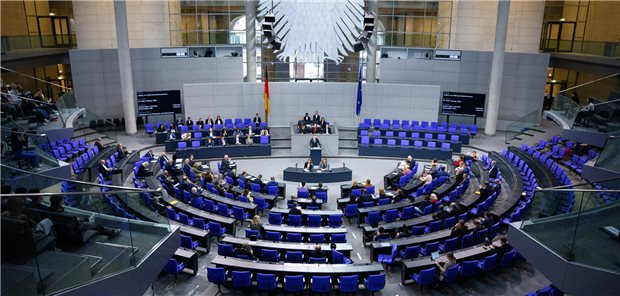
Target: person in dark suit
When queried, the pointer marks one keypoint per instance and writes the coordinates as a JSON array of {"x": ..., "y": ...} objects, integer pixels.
[
  {"x": 487, "y": 220},
  {"x": 189, "y": 121},
  {"x": 442, "y": 172},
  {"x": 314, "y": 142},
  {"x": 381, "y": 235},
  {"x": 323, "y": 125},
  {"x": 143, "y": 170},
  {"x": 272, "y": 182},
  {"x": 98, "y": 144},
  {"x": 149, "y": 154},
  {"x": 209, "y": 120},
  {"x": 258, "y": 180},
  {"x": 257, "y": 120},
  {"x": 365, "y": 197},
  {"x": 209, "y": 143},
  {"x": 317, "y": 252},
  {"x": 104, "y": 170},
  {"x": 120, "y": 151},
  {"x": 455, "y": 210},
  {"x": 503, "y": 248},
  {"x": 244, "y": 250},
  {"x": 218, "y": 120},
  {"x": 200, "y": 123},
  {"x": 306, "y": 118},
  {"x": 225, "y": 164},
  {"x": 496, "y": 186},
  {"x": 493, "y": 171},
  {"x": 459, "y": 230},
  {"x": 485, "y": 190},
  {"x": 308, "y": 165},
  {"x": 316, "y": 117},
  {"x": 180, "y": 121},
  {"x": 187, "y": 168},
  {"x": 295, "y": 209}
]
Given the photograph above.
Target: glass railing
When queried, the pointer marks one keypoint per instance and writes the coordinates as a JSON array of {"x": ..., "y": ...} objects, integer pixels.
[
  {"x": 35, "y": 111},
  {"x": 583, "y": 235},
  {"x": 87, "y": 123},
  {"x": 599, "y": 48},
  {"x": 14, "y": 43},
  {"x": 95, "y": 234},
  {"x": 565, "y": 108},
  {"x": 522, "y": 125},
  {"x": 609, "y": 157},
  {"x": 66, "y": 104},
  {"x": 36, "y": 153}
]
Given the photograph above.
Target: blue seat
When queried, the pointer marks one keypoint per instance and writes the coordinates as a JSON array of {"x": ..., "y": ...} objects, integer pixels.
[
  {"x": 272, "y": 190},
  {"x": 410, "y": 252},
  {"x": 270, "y": 255},
  {"x": 241, "y": 183},
  {"x": 507, "y": 258},
  {"x": 468, "y": 268},
  {"x": 209, "y": 206},
  {"x": 348, "y": 284},
  {"x": 430, "y": 248},
  {"x": 408, "y": 213},
  {"x": 383, "y": 201},
  {"x": 367, "y": 204},
  {"x": 356, "y": 192},
  {"x": 373, "y": 218},
  {"x": 350, "y": 211},
  {"x": 272, "y": 236},
  {"x": 294, "y": 283},
  {"x": 185, "y": 219},
  {"x": 249, "y": 233},
  {"x": 241, "y": 279},
  {"x": 321, "y": 284},
  {"x": 173, "y": 267},
  {"x": 224, "y": 249},
  {"x": 375, "y": 283},
  {"x": 488, "y": 263},
  {"x": 215, "y": 229},
  {"x": 315, "y": 221},
  {"x": 335, "y": 220},
  {"x": 293, "y": 237},
  {"x": 417, "y": 230},
  {"x": 294, "y": 257},
  {"x": 322, "y": 195},
  {"x": 261, "y": 204},
  {"x": 451, "y": 274},
  {"x": 255, "y": 187},
  {"x": 303, "y": 193},
  {"x": 266, "y": 282},
  {"x": 467, "y": 240},
  {"x": 388, "y": 259},
  {"x": 449, "y": 222},
  {"x": 481, "y": 235},
  {"x": 294, "y": 220},
  {"x": 425, "y": 277},
  {"x": 188, "y": 243},
  {"x": 172, "y": 215},
  {"x": 239, "y": 214},
  {"x": 217, "y": 275},
  {"x": 313, "y": 260},
  {"x": 275, "y": 218},
  {"x": 434, "y": 226},
  {"x": 222, "y": 210},
  {"x": 338, "y": 238},
  {"x": 317, "y": 238},
  {"x": 391, "y": 215},
  {"x": 449, "y": 245}
]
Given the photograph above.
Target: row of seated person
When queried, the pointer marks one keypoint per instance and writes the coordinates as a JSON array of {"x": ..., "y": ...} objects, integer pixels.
[
  {"x": 515, "y": 206},
  {"x": 315, "y": 254},
  {"x": 215, "y": 229},
  {"x": 245, "y": 181},
  {"x": 201, "y": 125},
  {"x": 317, "y": 238},
  {"x": 200, "y": 142},
  {"x": 449, "y": 268},
  {"x": 365, "y": 140},
  {"x": 418, "y": 125},
  {"x": 67, "y": 149},
  {"x": 268, "y": 282},
  {"x": 462, "y": 235},
  {"x": 306, "y": 218}
]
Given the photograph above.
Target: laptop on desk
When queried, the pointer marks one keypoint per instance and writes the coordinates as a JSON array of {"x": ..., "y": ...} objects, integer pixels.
[{"x": 435, "y": 255}]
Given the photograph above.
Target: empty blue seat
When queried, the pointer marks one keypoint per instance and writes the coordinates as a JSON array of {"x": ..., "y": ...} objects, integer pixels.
[
  {"x": 426, "y": 277},
  {"x": 241, "y": 279},
  {"x": 373, "y": 218},
  {"x": 338, "y": 238},
  {"x": 321, "y": 284},
  {"x": 216, "y": 275},
  {"x": 275, "y": 218},
  {"x": 266, "y": 282},
  {"x": 468, "y": 268},
  {"x": 410, "y": 252},
  {"x": 314, "y": 220},
  {"x": 317, "y": 238},
  {"x": 224, "y": 249},
  {"x": 294, "y": 283},
  {"x": 294, "y": 220},
  {"x": 272, "y": 236},
  {"x": 188, "y": 243},
  {"x": 215, "y": 229},
  {"x": 348, "y": 284},
  {"x": 488, "y": 263},
  {"x": 375, "y": 282},
  {"x": 293, "y": 237},
  {"x": 294, "y": 257},
  {"x": 270, "y": 255},
  {"x": 335, "y": 220}
]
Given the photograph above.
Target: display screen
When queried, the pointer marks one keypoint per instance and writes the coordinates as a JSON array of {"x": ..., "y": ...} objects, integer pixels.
[
  {"x": 465, "y": 104},
  {"x": 159, "y": 102}
]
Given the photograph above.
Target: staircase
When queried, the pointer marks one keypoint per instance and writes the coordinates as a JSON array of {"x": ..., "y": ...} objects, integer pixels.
[
  {"x": 347, "y": 141},
  {"x": 280, "y": 140},
  {"x": 90, "y": 126}
]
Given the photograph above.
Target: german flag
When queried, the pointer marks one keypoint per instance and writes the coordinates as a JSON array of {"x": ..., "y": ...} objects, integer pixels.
[{"x": 266, "y": 95}]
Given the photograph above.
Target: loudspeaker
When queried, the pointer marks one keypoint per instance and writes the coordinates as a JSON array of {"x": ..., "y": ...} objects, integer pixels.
[
  {"x": 359, "y": 46},
  {"x": 365, "y": 36},
  {"x": 268, "y": 34},
  {"x": 267, "y": 26},
  {"x": 270, "y": 18},
  {"x": 276, "y": 45},
  {"x": 368, "y": 18},
  {"x": 369, "y": 27}
]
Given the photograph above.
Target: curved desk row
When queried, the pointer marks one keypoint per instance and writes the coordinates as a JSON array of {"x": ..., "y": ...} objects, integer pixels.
[
  {"x": 306, "y": 231},
  {"x": 227, "y": 223},
  {"x": 203, "y": 152},
  {"x": 363, "y": 270},
  {"x": 305, "y": 213},
  {"x": 455, "y": 146},
  {"x": 340, "y": 174},
  {"x": 463, "y": 137},
  {"x": 511, "y": 174},
  {"x": 398, "y": 151},
  {"x": 283, "y": 247},
  {"x": 161, "y": 137}
]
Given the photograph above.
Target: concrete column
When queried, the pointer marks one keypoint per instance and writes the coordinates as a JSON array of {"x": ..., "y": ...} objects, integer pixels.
[
  {"x": 250, "y": 39},
  {"x": 124, "y": 65},
  {"x": 371, "y": 66},
  {"x": 497, "y": 67}
]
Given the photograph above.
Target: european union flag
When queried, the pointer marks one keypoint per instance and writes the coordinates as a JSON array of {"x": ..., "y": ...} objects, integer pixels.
[{"x": 358, "y": 107}]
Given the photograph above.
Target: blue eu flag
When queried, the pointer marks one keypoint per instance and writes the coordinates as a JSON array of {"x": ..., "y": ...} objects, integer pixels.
[{"x": 358, "y": 107}]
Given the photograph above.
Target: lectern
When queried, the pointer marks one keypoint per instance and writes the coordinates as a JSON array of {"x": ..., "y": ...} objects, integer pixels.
[{"x": 315, "y": 155}]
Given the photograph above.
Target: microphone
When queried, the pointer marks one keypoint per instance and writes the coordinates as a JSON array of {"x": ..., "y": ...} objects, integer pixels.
[
  {"x": 295, "y": 165},
  {"x": 344, "y": 165}
]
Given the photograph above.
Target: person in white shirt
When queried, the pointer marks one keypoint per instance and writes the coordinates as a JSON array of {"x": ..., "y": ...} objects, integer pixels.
[
  {"x": 237, "y": 140},
  {"x": 426, "y": 178}
]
